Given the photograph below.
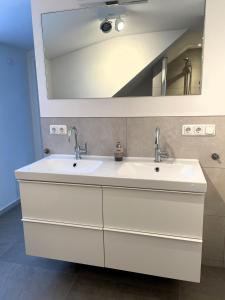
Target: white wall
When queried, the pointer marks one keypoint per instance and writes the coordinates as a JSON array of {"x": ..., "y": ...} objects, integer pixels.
[
  {"x": 102, "y": 69},
  {"x": 211, "y": 102}
]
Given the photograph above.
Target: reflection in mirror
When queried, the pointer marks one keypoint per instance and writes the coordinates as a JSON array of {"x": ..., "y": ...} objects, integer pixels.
[{"x": 151, "y": 48}]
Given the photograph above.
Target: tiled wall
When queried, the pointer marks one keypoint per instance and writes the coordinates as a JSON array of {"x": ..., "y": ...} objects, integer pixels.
[{"x": 137, "y": 136}]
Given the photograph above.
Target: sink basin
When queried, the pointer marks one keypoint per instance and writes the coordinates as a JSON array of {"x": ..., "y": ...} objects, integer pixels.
[
  {"x": 64, "y": 165},
  {"x": 176, "y": 175},
  {"x": 166, "y": 171}
]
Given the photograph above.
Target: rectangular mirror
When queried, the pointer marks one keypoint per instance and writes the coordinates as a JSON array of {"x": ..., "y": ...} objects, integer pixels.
[{"x": 125, "y": 49}]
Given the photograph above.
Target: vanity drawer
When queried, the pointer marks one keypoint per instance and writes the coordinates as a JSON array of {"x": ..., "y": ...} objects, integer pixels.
[
  {"x": 62, "y": 203},
  {"x": 64, "y": 242},
  {"x": 153, "y": 255},
  {"x": 170, "y": 213}
]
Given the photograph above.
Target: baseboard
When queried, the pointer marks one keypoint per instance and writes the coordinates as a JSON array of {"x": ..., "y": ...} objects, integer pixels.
[{"x": 9, "y": 206}]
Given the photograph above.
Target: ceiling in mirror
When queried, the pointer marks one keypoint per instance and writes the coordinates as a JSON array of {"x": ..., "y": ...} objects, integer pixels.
[{"x": 151, "y": 48}]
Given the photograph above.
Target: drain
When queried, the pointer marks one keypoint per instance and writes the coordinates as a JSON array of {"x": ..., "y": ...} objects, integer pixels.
[
  {"x": 157, "y": 169},
  {"x": 74, "y": 165}
]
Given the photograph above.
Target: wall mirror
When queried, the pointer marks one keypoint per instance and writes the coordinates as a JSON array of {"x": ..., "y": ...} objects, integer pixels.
[{"x": 125, "y": 49}]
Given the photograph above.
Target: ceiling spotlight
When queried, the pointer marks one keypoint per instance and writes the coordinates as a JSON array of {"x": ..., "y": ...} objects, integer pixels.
[
  {"x": 119, "y": 25},
  {"x": 106, "y": 26}
]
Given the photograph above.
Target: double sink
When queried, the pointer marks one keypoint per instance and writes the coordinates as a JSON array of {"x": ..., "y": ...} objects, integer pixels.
[
  {"x": 136, "y": 215},
  {"x": 173, "y": 174}
]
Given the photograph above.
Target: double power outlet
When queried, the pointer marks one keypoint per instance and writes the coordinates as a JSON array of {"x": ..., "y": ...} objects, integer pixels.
[
  {"x": 187, "y": 130},
  {"x": 58, "y": 129},
  {"x": 199, "y": 130}
]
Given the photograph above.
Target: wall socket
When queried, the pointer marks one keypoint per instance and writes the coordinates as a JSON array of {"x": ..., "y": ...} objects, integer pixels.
[
  {"x": 58, "y": 129},
  {"x": 199, "y": 130}
]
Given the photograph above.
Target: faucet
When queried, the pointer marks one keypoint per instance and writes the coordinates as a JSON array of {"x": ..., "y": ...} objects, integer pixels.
[
  {"x": 79, "y": 149},
  {"x": 158, "y": 153}
]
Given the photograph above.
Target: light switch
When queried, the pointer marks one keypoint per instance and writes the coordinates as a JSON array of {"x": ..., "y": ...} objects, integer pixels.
[{"x": 210, "y": 130}]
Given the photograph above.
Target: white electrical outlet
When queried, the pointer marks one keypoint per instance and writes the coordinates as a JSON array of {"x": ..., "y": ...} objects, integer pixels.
[
  {"x": 53, "y": 129},
  {"x": 188, "y": 130},
  {"x": 62, "y": 129},
  {"x": 199, "y": 130},
  {"x": 58, "y": 129}
]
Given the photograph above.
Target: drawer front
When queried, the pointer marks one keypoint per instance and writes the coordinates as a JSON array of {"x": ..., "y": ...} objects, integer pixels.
[
  {"x": 80, "y": 245},
  {"x": 156, "y": 256},
  {"x": 62, "y": 203},
  {"x": 172, "y": 213}
]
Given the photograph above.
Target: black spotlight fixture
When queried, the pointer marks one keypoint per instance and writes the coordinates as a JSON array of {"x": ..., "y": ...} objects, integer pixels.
[{"x": 106, "y": 26}]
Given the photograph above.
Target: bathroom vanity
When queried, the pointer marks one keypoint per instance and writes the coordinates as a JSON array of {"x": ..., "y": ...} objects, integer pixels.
[{"x": 135, "y": 215}]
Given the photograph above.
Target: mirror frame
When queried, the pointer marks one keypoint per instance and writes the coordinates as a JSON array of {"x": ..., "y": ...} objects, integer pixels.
[{"x": 211, "y": 101}]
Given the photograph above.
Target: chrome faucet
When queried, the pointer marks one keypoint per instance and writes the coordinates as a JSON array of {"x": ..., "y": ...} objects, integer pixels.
[
  {"x": 78, "y": 149},
  {"x": 158, "y": 153}
]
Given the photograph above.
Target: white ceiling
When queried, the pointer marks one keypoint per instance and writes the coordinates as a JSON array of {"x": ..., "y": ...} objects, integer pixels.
[
  {"x": 70, "y": 30},
  {"x": 16, "y": 23}
]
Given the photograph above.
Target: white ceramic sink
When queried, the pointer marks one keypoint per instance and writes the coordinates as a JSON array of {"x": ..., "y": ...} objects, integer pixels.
[
  {"x": 64, "y": 165},
  {"x": 179, "y": 174},
  {"x": 169, "y": 170}
]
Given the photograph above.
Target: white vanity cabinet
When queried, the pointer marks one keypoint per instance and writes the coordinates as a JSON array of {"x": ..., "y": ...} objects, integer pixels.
[
  {"x": 154, "y": 232},
  {"x": 164, "y": 212},
  {"x": 146, "y": 231},
  {"x": 60, "y": 202},
  {"x": 63, "y": 221}
]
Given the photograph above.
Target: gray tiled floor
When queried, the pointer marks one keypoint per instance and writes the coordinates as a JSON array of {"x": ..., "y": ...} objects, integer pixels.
[{"x": 31, "y": 278}]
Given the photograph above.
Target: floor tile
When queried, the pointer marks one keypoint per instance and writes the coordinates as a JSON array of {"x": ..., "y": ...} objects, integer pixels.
[
  {"x": 4, "y": 247},
  {"x": 106, "y": 284},
  {"x": 25, "y": 277},
  {"x": 19, "y": 282},
  {"x": 212, "y": 286},
  {"x": 17, "y": 254}
]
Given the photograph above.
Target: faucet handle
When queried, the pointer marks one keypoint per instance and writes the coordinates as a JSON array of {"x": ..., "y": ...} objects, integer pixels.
[
  {"x": 164, "y": 154},
  {"x": 157, "y": 134},
  {"x": 69, "y": 135},
  {"x": 83, "y": 148},
  {"x": 71, "y": 131}
]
